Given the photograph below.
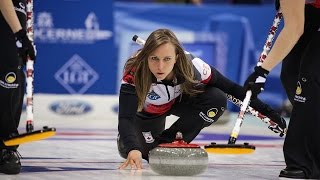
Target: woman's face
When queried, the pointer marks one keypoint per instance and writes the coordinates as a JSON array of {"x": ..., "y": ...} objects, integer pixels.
[{"x": 161, "y": 61}]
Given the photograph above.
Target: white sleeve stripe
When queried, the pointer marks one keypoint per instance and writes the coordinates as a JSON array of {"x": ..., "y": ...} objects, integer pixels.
[{"x": 202, "y": 67}]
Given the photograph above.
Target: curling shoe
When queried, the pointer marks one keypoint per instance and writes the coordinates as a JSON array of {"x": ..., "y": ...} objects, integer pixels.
[
  {"x": 10, "y": 161},
  {"x": 293, "y": 173}
]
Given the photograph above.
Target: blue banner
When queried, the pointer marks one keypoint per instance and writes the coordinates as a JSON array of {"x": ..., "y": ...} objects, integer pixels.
[{"x": 75, "y": 47}]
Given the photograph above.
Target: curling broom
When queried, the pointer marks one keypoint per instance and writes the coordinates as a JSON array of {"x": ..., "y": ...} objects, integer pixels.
[{"x": 231, "y": 147}]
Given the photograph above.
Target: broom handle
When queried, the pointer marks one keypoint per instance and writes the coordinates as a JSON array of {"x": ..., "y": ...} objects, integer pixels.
[
  {"x": 245, "y": 104},
  {"x": 29, "y": 69}
]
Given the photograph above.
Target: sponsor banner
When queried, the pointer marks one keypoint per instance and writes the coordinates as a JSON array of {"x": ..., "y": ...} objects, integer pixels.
[
  {"x": 52, "y": 109},
  {"x": 75, "y": 47}
]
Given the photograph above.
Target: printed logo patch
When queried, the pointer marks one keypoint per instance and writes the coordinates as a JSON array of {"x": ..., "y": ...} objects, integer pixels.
[
  {"x": 206, "y": 69},
  {"x": 153, "y": 96},
  {"x": 10, "y": 77},
  {"x": 148, "y": 137},
  {"x": 212, "y": 112},
  {"x": 297, "y": 96},
  {"x": 8, "y": 81},
  {"x": 299, "y": 89}
]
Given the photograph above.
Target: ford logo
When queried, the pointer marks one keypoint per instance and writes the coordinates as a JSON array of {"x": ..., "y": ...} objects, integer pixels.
[{"x": 70, "y": 107}]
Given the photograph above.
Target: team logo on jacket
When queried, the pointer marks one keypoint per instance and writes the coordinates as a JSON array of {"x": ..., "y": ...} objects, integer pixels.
[
  {"x": 153, "y": 96},
  {"x": 148, "y": 137},
  {"x": 11, "y": 77},
  {"x": 211, "y": 113},
  {"x": 299, "y": 89},
  {"x": 298, "y": 97},
  {"x": 8, "y": 81}
]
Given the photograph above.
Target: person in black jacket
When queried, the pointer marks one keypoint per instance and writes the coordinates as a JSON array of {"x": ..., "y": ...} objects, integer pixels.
[
  {"x": 161, "y": 80},
  {"x": 298, "y": 47},
  {"x": 15, "y": 46}
]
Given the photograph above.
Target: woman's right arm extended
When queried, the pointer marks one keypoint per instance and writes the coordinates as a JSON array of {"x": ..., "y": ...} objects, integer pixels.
[{"x": 128, "y": 103}]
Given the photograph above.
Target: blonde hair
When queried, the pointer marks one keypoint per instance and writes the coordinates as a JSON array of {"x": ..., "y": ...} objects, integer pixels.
[{"x": 143, "y": 77}]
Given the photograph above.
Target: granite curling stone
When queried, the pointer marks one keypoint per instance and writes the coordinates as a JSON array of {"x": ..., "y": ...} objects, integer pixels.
[{"x": 178, "y": 158}]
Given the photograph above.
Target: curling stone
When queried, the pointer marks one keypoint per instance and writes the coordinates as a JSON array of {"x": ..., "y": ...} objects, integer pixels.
[{"x": 178, "y": 158}]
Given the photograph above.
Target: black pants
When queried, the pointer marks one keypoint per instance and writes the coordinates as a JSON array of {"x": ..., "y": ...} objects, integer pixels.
[
  {"x": 12, "y": 79},
  {"x": 301, "y": 78},
  {"x": 195, "y": 113}
]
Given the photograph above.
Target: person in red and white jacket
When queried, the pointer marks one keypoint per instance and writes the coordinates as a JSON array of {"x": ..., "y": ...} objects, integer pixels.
[
  {"x": 298, "y": 48},
  {"x": 162, "y": 79}
]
